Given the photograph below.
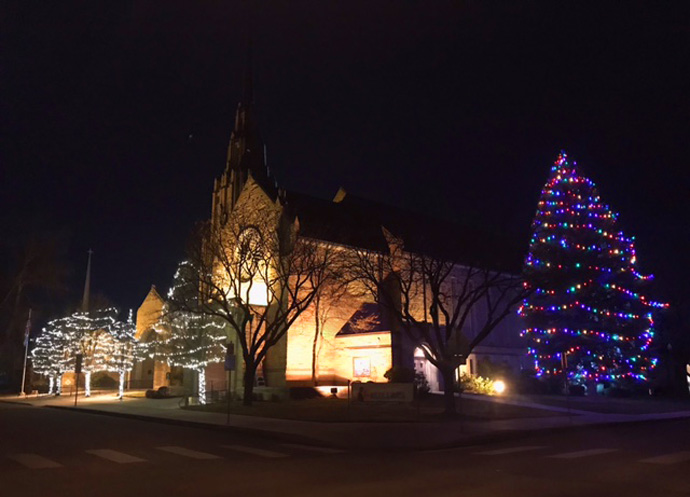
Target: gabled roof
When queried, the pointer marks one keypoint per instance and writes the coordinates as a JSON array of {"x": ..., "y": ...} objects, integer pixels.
[
  {"x": 359, "y": 222},
  {"x": 368, "y": 318}
]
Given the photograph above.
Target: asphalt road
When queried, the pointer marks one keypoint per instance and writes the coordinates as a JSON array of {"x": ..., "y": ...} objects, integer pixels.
[{"x": 50, "y": 452}]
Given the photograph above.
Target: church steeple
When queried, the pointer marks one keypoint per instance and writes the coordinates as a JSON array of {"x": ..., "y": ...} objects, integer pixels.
[
  {"x": 246, "y": 151},
  {"x": 248, "y": 89},
  {"x": 87, "y": 285}
]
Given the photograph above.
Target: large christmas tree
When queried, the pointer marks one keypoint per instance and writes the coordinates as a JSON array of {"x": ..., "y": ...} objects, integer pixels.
[{"x": 586, "y": 318}]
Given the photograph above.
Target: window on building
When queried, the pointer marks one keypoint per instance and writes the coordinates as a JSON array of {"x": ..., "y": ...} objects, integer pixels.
[{"x": 362, "y": 366}]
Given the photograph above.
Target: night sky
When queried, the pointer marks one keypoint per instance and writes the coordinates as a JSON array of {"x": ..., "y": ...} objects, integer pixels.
[{"x": 115, "y": 117}]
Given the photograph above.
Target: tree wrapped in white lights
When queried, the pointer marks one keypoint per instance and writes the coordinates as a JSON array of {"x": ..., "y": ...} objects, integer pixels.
[
  {"x": 104, "y": 343},
  {"x": 122, "y": 348},
  {"x": 51, "y": 351},
  {"x": 188, "y": 339},
  {"x": 90, "y": 336}
]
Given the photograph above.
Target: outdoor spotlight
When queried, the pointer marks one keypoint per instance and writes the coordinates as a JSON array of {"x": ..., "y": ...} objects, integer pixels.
[{"x": 499, "y": 386}]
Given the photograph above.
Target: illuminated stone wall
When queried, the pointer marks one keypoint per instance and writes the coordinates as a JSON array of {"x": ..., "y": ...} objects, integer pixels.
[
  {"x": 372, "y": 349},
  {"x": 148, "y": 314},
  {"x": 255, "y": 208},
  {"x": 333, "y": 314}
]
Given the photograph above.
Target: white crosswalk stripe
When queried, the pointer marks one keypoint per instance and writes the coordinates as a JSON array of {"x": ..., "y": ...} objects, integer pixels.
[
  {"x": 34, "y": 461},
  {"x": 673, "y": 458},
  {"x": 313, "y": 448},
  {"x": 115, "y": 456},
  {"x": 583, "y": 453},
  {"x": 511, "y": 450},
  {"x": 181, "y": 451},
  {"x": 254, "y": 451}
]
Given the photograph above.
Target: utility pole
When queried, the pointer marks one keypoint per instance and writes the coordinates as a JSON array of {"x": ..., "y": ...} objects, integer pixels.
[{"x": 27, "y": 332}]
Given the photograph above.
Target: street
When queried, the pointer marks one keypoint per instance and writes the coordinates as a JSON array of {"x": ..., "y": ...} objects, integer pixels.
[{"x": 51, "y": 452}]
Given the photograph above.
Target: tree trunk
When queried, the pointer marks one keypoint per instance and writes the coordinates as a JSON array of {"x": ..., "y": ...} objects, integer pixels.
[
  {"x": 316, "y": 341},
  {"x": 121, "y": 385},
  {"x": 249, "y": 374},
  {"x": 201, "y": 384},
  {"x": 449, "y": 391},
  {"x": 87, "y": 384}
]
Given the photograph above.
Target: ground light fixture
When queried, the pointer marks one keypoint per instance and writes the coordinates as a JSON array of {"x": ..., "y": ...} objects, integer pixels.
[{"x": 499, "y": 386}]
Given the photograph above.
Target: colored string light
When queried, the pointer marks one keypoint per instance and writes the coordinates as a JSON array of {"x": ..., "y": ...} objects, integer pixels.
[{"x": 586, "y": 314}]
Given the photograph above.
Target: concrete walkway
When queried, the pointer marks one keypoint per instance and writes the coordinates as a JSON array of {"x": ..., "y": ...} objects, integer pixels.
[{"x": 353, "y": 435}]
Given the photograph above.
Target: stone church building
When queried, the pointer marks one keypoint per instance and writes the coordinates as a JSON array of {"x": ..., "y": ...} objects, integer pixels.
[{"x": 355, "y": 340}]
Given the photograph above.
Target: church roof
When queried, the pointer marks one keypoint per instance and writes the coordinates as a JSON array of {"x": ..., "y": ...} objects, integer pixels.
[
  {"x": 368, "y": 318},
  {"x": 358, "y": 222}
]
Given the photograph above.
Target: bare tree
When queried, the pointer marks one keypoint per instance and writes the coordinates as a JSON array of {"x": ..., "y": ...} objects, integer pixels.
[
  {"x": 326, "y": 304},
  {"x": 32, "y": 274},
  {"x": 258, "y": 278},
  {"x": 445, "y": 308}
]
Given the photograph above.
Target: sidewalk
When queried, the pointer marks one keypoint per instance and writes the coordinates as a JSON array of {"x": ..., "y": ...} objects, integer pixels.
[{"x": 351, "y": 435}]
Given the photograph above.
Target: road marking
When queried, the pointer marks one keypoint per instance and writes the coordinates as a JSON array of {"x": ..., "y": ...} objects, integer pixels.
[
  {"x": 181, "y": 451},
  {"x": 323, "y": 450},
  {"x": 672, "y": 458},
  {"x": 115, "y": 456},
  {"x": 582, "y": 453},
  {"x": 34, "y": 461},
  {"x": 256, "y": 452},
  {"x": 511, "y": 450}
]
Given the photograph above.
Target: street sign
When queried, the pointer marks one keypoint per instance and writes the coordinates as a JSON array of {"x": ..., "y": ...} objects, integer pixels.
[
  {"x": 230, "y": 356},
  {"x": 77, "y": 365}
]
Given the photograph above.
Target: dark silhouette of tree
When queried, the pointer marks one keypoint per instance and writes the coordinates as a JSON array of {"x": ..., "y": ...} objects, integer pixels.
[
  {"x": 445, "y": 308},
  {"x": 256, "y": 278}
]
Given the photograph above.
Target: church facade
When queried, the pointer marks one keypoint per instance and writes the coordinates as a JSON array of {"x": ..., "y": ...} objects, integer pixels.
[{"x": 341, "y": 337}]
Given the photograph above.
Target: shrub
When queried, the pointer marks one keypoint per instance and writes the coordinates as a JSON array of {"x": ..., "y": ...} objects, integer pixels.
[
  {"x": 400, "y": 374},
  {"x": 528, "y": 383},
  {"x": 300, "y": 393},
  {"x": 101, "y": 379},
  {"x": 421, "y": 384},
  {"x": 618, "y": 392},
  {"x": 475, "y": 384},
  {"x": 577, "y": 390}
]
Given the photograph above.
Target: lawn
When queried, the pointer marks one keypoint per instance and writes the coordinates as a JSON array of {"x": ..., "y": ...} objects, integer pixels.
[{"x": 338, "y": 410}]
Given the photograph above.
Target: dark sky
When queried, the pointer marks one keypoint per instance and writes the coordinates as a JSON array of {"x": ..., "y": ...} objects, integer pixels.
[{"x": 116, "y": 115}]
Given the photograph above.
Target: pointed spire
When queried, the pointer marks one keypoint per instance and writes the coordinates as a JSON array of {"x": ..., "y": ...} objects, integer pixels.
[
  {"x": 87, "y": 285},
  {"x": 248, "y": 89}
]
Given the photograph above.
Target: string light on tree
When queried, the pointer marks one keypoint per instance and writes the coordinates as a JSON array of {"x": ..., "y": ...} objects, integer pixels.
[
  {"x": 105, "y": 344},
  {"x": 188, "y": 339},
  {"x": 587, "y": 312}
]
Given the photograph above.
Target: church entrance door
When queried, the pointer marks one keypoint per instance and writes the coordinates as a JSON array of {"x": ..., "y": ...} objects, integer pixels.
[{"x": 422, "y": 365}]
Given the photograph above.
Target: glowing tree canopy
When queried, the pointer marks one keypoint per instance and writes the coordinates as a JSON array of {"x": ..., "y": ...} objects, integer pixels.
[
  {"x": 105, "y": 343},
  {"x": 586, "y": 313},
  {"x": 188, "y": 339},
  {"x": 51, "y": 352},
  {"x": 121, "y": 350}
]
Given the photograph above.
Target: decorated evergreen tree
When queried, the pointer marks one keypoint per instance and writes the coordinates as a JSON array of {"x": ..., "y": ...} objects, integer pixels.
[
  {"x": 586, "y": 319},
  {"x": 189, "y": 339}
]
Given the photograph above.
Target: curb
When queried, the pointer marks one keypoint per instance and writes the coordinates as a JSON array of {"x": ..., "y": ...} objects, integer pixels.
[
  {"x": 507, "y": 435},
  {"x": 18, "y": 402},
  {"x": 469, "y": 440},
  {"x": 274, "y": 435}
]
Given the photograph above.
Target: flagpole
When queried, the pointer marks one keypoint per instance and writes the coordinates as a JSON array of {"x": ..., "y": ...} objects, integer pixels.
[{"x": 26, "y": 351}]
